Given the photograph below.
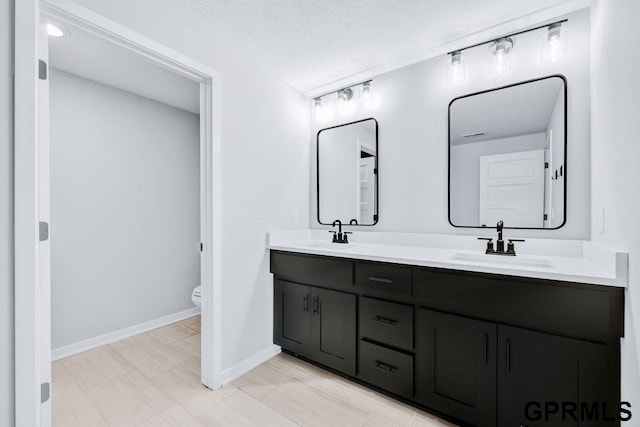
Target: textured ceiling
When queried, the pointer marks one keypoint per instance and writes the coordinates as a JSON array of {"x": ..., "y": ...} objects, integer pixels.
[
  {"x": 315, "y": 44},
  {"x": 514, "y": 111}
]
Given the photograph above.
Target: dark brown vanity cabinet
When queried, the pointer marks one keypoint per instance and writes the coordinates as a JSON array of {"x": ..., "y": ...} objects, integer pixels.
[
  {"x": 535, "y": 368},
  {"x": 316, "y": 323},
  {"x": 292, "y": 320},
  {"x": 469, "y": 368},
  {"x": 482, "y": 349},
  {"x": 456, "y": 366}
]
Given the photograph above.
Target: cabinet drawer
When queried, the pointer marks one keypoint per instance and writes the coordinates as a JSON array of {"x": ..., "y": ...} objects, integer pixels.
[
  {"x": 384, "y": 278},
  {"x": 387, "y": 369},
  {"x": 313, "y": 270},
  {"x": 387, "y": 322}
]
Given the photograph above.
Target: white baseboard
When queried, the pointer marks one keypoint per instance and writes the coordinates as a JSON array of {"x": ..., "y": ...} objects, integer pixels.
[
  {"x": 238, "y": 370},
  {"x": 91, "y": 343}
]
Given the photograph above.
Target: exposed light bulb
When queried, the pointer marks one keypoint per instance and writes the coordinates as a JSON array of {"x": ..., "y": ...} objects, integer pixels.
[
  {"x": 344, "y": 96},
  {"x": 54, "y": 31},
  {"x": 322, "y": 113},
  {"x": 500, "y": 49},
  {"x": 456, "y": 67},
  {"x": 554, "y": 43},
  {"x": 367, "y": 95}
]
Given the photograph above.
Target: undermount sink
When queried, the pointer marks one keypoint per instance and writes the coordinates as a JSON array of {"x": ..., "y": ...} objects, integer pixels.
[
  {"x": 330, "y": 245},
  {"x": 503, "y": 261}
]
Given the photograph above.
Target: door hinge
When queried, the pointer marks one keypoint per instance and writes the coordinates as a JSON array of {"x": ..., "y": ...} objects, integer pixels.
[
  {"x": 45, "y": 392},
  {"x": 42, "y": 70},
  {"x": 375, "y": 217},
  {"x": 375, "y": 171},
  {"x": 44, "y": 231},
  {"x": 201, "y": 247},
  {"x": 546, "y": 165},
  {"x": 545, "y": 217}
]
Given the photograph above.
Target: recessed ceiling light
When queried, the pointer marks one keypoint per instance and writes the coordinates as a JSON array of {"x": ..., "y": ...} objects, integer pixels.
[{"x": 55, "y": 31}]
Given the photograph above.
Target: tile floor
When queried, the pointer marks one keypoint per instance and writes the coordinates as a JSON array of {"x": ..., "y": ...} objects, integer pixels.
[{"x": 153, "y": 380}]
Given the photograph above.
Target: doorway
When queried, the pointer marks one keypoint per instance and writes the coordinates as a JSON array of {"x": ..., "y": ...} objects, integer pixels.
[{"x": 33, "y": 286}]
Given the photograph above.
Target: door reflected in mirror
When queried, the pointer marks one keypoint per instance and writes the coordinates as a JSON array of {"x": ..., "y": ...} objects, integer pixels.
[
  {"x": 507, "y": 156},
  {"x": 347, "y": 173}
]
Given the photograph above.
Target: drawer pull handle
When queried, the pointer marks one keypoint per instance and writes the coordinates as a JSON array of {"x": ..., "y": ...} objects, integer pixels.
[
  {"x": 385, "y": 367},
  {"x": 385, "y": 321},
  {"x": 316, "y": 305},
  {"x": 379, "y": 279},
  {"x": 305, "y": 303}
]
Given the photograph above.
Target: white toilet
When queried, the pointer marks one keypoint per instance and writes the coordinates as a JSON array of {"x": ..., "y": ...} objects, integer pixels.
[{"x": 196, "y": 296}]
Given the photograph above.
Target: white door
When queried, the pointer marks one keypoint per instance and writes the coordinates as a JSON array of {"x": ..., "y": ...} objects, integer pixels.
[
  {"x": 366, "y": 198},
  {"x": 44, "y": 252},
  {"x": 512, "y": 189}
]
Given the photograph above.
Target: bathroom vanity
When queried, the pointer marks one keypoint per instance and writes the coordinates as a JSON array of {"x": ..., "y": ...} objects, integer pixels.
[{"x": 481, "y": 344}]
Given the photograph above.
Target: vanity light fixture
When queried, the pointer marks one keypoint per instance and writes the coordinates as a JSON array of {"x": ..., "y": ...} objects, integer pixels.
[
  {"x": 457, "y": 72},
  {"x": 345, "y": 95},
  {"x": 554, "y": 43},
  {"x": 500, "y": 50},
  {"x": 554, "y": 47}
]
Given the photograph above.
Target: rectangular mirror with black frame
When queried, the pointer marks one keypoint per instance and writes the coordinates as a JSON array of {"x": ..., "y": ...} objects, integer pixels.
[
  {"x": 507, "y": 156},
  {"x": 347, "y": 167}
]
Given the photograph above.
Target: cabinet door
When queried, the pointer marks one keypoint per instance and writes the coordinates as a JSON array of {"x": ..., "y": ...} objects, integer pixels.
[
  {"x": 292, "y": 323},
  {"x": 456, "y": 366},
  {"x": 538, "y": 371},
  {"x": 333, "y": 326}
]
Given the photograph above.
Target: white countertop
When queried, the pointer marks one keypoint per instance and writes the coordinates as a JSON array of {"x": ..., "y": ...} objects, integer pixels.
[{"x": 565, "y": 260}]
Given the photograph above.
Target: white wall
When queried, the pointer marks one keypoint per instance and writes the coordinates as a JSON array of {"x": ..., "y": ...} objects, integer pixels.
[
  {"x": 615, "y": 152},
  {"x": 125, "y": 209},
  {"x": 265, "y": 158},
  {"x": 412, "y": 116},
  {"x": 6, "y": 216},
  {"x": 465, "y": 172}
]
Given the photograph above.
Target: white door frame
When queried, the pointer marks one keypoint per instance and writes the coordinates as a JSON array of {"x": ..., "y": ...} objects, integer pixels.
[{"x": 27, "y": 286}]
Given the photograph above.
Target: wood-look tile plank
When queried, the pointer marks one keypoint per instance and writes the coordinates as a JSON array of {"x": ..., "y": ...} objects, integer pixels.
[
  {"x": 309, "y": 406},
  {"x": 172, "y": 333},
  {"x": 424, "y": 419},
  {"x": 149, "y": 355},
  {"x": 376, "y": 404},
  {"x": 61, "y": 414},
  {"x": 194, "y": 366},
  {"x": 193, "y": 322},
  {"x": 255, "y": 385},
  {"x": 129, "y": 399},
  {"x": 190, "y": 346},
  {"x": 185, "y": 388},
  {"x": 176, "y": 416},
  {"x": 241, "y": 410},
  {"x": 71, "y": 402},
  {"x": 295, "y": 368},
  {"x": 95, "y": 367}
]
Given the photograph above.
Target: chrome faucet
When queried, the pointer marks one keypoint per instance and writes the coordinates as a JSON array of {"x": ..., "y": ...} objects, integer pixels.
[
  {"x": 339, "y": 236},
  {"x": 499, "y": 250}
]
